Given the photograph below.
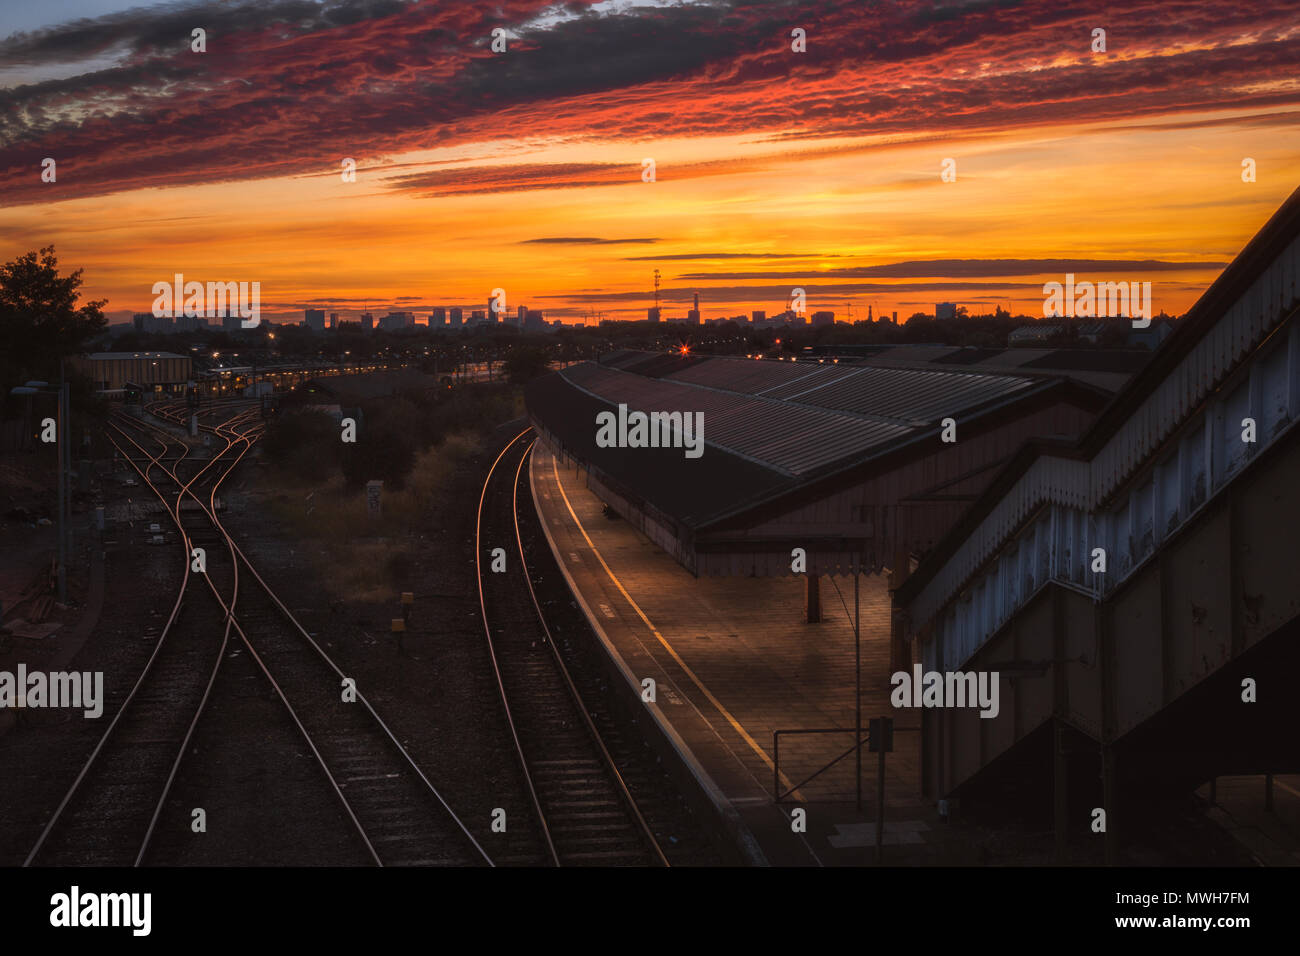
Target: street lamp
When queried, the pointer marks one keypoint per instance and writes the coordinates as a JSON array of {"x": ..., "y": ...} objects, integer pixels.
[{"x": 64, "y": 450}]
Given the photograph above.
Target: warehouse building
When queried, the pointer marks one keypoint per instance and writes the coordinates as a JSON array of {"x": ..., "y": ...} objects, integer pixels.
[{"x": 163, "y": 372}]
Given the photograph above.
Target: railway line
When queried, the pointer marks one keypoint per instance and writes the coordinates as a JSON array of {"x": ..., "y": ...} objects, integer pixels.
[
  {"x": 108, "y": 815},
  {"x": 589, "y": 790},
  {"x": 594, "y": 792}
]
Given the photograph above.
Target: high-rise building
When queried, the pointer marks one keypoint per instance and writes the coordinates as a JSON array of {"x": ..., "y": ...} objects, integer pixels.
[
  {"x": 652, "y": 314},
  {"x": 455, "y": 313},
  {"x": 945, "y": 310},
  {"x": 533, "y": 319},
  {"x": 334, "y": 320},
  {"x": 154, "y": 324},
  {"x": 894, "y": 317},
  {"x": 694, "y": 314},
  {"x": 521, "y": 315},
  {"x": 367, "y": 321},
  {"x": 314, "y": 319},
  {"x": 477, "y": 317},
  {"x": 397, "y": 320},
  {"x": 823, "y": 318},
  {"x": 758, "y": 315},
  {"x": 438, "y": 318}
]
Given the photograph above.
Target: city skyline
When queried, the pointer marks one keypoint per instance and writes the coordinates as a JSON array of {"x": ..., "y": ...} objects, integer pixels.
[{"x": 525, "y": 169}]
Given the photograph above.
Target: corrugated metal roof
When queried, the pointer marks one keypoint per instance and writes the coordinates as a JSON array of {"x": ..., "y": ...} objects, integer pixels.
[
  {"x": 106, "y": 356},
  {"x": 916, "y": 396},
  {"x": 743, "y": 375},
  {"x": 784, "y": 436}
]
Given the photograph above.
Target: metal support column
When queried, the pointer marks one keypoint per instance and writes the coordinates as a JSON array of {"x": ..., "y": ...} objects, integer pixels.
[{"x": 857, "y": 684}]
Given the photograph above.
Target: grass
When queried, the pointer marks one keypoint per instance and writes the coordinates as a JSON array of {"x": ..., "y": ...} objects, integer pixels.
[{"x": 358, "y": 557}]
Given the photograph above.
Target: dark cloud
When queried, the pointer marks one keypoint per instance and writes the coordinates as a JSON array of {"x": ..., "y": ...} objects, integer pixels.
[
  {"x": 736, "y": 293},
  {"x": 583, "y": 241},
  {"x": 290, "y": 86},
  {"x": 970, "y": 268},
  {"x": 734, "y": 255}
]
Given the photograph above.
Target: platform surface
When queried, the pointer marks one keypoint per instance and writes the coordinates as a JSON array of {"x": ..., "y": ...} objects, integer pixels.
[{"x": 733, "y": 660}]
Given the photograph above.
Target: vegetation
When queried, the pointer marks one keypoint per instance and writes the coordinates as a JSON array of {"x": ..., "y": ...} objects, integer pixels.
[{"x": 40, "y": 319}]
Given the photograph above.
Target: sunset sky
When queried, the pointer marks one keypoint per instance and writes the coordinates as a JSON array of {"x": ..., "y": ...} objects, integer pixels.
[{"x": 523, "y": 170}]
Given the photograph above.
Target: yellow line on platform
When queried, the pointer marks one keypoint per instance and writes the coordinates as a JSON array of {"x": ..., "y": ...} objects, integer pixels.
[{"x": 735, "y": 724}]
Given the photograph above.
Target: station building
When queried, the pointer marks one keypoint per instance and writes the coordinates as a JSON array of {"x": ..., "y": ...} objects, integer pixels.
[{"x": 847, "y": 462}]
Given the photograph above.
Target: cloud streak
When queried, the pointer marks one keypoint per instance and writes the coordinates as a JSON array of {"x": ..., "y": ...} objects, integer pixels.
[{"x": 375, "y": 78}]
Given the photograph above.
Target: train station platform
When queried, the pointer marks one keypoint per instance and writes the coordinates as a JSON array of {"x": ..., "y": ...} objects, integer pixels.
[{"x": 733, "y": 661}]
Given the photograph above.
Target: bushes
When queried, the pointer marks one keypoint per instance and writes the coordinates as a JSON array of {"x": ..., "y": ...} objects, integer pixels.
[
  {"x": 384, "y": 450},
  {"x": 391, "y": 434},
  {"x": 304, "y": 444}
]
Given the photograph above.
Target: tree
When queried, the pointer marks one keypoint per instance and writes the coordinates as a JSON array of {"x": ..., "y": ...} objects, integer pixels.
[
  {"x": 40, "y": 320},
  {"x": 525, "y": 363}
]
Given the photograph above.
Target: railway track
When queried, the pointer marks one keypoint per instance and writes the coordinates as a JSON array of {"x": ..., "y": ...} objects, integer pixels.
[
  {"x": 106, "y": 817},
  {"x": 579, "y": 796},
  {"x": 397, "y": 814}
]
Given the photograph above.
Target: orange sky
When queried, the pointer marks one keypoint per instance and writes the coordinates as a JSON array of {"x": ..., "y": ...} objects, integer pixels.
[{"x": 747, "y": 213}]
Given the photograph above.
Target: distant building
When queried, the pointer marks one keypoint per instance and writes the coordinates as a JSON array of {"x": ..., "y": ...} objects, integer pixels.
[
  {"x": 367, "y": 321},
  {"x": 521, "y": 316},
  {"x": 231, "y": 322},
  {"x": 334, "y": 320},
  {"x": 454, "y": 316},
  {"x": 477, "y": 317},
  {"x": 894, "y": 317},
  {"x": 823, "y": 318},
  {"x": 1033, "y": 333},
  {"x": 1152, "y": 335},
  {"x": 438, "y": 318},
  {"x": 1090, "y": 331},
  {"x": 652, "y": 314},
  {"x": 945, "y": 310},
  {"x": 109, "y": 371},
  {"x": 533, "y": 319},
  {"x": 397, "y": 320},
  {"x": 758, "y": 315},
  {"x": 693, "y": 316},
  {"x": 153, "y": 324},
  {"x": 190, "y": 323},
  {"x": 314, "y": 319}
]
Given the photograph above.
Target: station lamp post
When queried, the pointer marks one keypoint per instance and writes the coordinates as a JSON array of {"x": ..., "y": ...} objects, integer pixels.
[{"x": 64, "y": 449}]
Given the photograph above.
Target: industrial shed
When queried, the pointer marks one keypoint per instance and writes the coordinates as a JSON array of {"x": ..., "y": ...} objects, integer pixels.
[
  {"x": 110, "y": 371},
  {"x": 843, "y": 460}
]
